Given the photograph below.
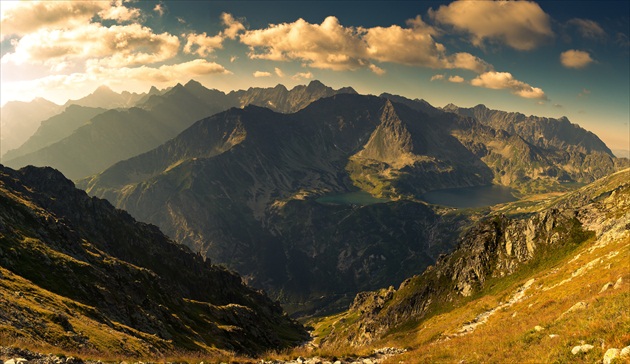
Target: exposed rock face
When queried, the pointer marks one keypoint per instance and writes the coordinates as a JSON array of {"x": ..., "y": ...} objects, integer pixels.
[
  {"x": 581, "y": 154},
  {"x": 495, "y": 248},
  {"x": 86, "y": 274},
  {"x": 241, "y": 186}
]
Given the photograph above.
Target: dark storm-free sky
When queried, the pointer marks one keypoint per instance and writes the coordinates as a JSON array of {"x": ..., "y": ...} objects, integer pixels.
[{"x": 541, "y": 58}]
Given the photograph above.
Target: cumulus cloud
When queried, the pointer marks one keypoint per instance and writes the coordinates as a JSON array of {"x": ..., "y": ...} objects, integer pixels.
[
  {"x": 278, "y": 72},
  {"x": 233, "y": 26},
  {"x": 120, "y": 13},
  {"x": 202, "y": 44},
  {"x": 587, "y": 28},
  {"x": 456, "y": 79},
  {"x": 522, "y": 25},
  {"x": 29, "y": 16},
  {"x": 261, "y": 74},
  {"x": 302, "y": 76},
  {"x": 115, "y": 46},
  {"x": 575, "y": 59},
  {"x": 437, "y": 77},
  {"x": 505, "y": 80},
  {"x": 330, "y": 45},
  {"x": 233, "y": 58}
]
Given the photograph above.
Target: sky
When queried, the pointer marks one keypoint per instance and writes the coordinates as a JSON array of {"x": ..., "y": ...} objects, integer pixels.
[{"x": 540, "y": 58}]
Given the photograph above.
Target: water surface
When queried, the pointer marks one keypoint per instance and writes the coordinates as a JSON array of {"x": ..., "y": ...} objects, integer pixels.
[{"x": 470, "y": 197}]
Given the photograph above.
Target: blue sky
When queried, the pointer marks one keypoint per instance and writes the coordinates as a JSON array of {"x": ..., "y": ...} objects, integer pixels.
[{"x": 542, "y": 58}]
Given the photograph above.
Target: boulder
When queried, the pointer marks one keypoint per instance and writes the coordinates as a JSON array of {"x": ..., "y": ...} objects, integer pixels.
[
  {"x": 606, "y": 286},
  {"x": 618, "y": 283},
  {"x": 581, "y": 349},
  {"x": 610, "y": 355}
]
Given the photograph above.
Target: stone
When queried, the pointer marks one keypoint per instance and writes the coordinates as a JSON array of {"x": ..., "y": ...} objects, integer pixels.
[
  {"x": 625, "y": 352},
  {"x": 538, "y": 328},
  {"x": 606, "y": 286},
  {"x": 581, "y": 349},
  {"x": 552, "y": 336},
  {"x": 618, "y": 283},
  {"x": 610, "y": 355},
  {"x": 577, "y": 307}
]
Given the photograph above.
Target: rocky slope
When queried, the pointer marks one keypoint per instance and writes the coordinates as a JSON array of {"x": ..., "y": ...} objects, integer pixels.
[
  {"x": 78, "y": 274},
  {"x": 551, "y": 243},
  {"x": 242, "y": 188},
  {"x": 157, "y": 117},
  {"x": 580, "y": 155}
]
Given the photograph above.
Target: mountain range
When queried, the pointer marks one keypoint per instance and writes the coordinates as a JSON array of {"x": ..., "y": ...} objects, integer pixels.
[
  {"x": 242, "y": 188},
  {"x": 94, "y": 143},
  {"x": 79, "y": 274},
  {"x": 317, "y": 197}
]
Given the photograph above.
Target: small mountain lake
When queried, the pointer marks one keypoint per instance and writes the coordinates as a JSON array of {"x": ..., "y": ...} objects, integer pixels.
[
  {"x": 360, "y": 198},
  {"x": 470, "y": 197}
]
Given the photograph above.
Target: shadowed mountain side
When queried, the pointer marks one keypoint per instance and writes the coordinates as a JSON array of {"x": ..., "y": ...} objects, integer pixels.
[
  {"x": 118, "y": 278},
  {"x": 231, "y": 186}
]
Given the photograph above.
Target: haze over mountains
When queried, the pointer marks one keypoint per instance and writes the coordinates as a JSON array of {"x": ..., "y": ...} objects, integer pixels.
[{"x": 115, "y": 135}]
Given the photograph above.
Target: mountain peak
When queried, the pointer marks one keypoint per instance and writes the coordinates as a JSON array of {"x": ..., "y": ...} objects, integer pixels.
[
  {"x": 103, "y": 89},
  {"x": 193, "y": 83},
  {"x": 315, "y": 84}
]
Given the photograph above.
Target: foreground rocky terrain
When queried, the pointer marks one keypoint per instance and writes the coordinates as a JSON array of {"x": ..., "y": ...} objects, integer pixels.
[
  {"x": 80, "y": 275},
  {"x": 544, "y": 282}
]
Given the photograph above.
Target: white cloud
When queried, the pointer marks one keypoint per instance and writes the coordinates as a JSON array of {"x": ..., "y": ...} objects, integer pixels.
[
  {"x": 505, "y": 80},
  {"x": 302, "y": 76},
  {"x": 437, "y": 77},
  {"x": 330, "y": 45},
  {"x": 587, "y": 28},
  {"x": 377, "y": 70},
  {"x": 119, "y": 13},
  {"x": 278, "y": 72},
  {"x": 233, "y": 58},
  {"x": 522, "y": 25},
  {"x": 160, "y": 9},
  {"x": 29, "y": 16},
  {"x": 115, "y": 46},
  {"x": 258, "y": 74},
  {"x": 584, "y": 93},
  {"x": 233, "y": 26},
  {"x": 575, "y": 59},
  {"x": 202, "y": 44},
  {"x": 456, "y": 79}
]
